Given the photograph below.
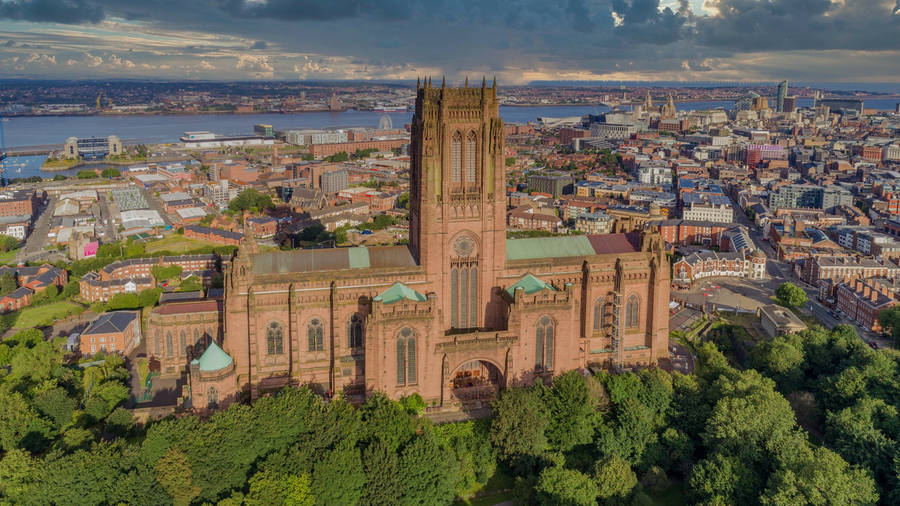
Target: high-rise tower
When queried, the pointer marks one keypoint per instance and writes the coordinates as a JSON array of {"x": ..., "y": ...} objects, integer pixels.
[
  {"x": 458, "y": 197},
  {"x": 782, "y": 93}
]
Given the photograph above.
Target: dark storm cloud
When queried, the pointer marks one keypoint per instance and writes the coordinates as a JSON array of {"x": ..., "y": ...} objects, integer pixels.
[
  {"x": 259, "y": 44},
  {"x": 318, "y": 10},
  {"x": 800, "y": 24},
  {"x": 55, "y": 11}
]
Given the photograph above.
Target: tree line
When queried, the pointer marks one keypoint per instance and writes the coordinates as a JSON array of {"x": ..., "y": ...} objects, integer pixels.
[{"x": 812, "y": 420}]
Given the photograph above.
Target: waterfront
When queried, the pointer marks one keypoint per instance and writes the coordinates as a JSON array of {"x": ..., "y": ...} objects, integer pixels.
[{"x": 53, "y": 130}]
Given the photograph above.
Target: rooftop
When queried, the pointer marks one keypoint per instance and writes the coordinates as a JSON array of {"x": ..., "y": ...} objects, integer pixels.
[{"x": 213, "y": 359}]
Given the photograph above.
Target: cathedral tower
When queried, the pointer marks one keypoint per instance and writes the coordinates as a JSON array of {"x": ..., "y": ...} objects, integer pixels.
[{"x": 458, "y": 199}]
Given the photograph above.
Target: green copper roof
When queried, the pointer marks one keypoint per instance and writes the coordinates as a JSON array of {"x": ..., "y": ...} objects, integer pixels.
[
  {"x": 530, "y": 284},
  {"x": 548, "y": 247},
  {"x": 359, "y": 258},
  {"x": 397, "y": 292},
  {"x": 213, "y": 359}
]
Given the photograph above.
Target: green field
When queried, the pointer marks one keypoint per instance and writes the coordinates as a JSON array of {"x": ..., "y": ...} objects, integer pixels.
[
  {"x": 7, "y": 257},
  {"x": 176, "y": 244},
  {"x": 42, "y": 316}
]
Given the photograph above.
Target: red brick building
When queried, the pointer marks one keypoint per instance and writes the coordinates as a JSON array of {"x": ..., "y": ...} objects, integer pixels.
[
  {"x": 215, "y": 235},
  {"x": 863, "y": 301},
  {"x": 114, "y": 332},
  {"x": 458, "y": 313},
  {"x": 321, "y": 150}
]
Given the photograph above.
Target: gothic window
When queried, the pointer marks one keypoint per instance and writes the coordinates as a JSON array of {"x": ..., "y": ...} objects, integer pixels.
[
  {"x": 632, "y": 312},
  {"x": 473, "y": 297},
  {"x": 598, "y": 315},
  {"x": 456, "y": 158},
  {"x": 470, "y": 159},
  {"x": 209, "y": 335},
  {"x": 454, "y": 297},
  {"x": 406, "y": 357},
  {"x": 355, "y": 331},
  {"x": 274, "y": 339},
  {"x": 544, "y": 337},
  {"x": 170, "y": 350},
  {"x": 316, "y": 334},
  {"x": 197, "y": 344},
  {"x": 212, "y": 398},
  {"x": 183, "y": 343}
]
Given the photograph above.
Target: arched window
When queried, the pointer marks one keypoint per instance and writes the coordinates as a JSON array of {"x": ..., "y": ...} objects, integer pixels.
[
  {"x": 316, "y": 333},
  {"x": 170, "y": 350},
  {"x": 198, "y": 345},
  {"x": 355, "y": 331},
  {"x": 632, "y": 312},
  {"x": 471, "y": 172},
  {"x": 406, "y": 357},
  {"x": 156, "y": 342},
  {"x": 209, "y": 335},
  {"x": 183, "y": 343},
  {"x": 598, "y": 315},
  {"x": 456, "y": 158},
  {"x": 274, "y": 339},
  {"x": 212, "y": 398},
  {"x": 544, "y": 336}
]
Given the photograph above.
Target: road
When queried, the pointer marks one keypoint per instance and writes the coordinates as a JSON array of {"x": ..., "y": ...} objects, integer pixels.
[{"x": 34, "y": 243}]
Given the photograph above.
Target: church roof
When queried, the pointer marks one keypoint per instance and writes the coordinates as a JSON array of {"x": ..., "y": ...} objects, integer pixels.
[
  {"x": 330, "y": 259},
  {"x": 213, "y": 359},
  {"x": 572, "y": 246},
  {"x": 530, "y": 284},
  {"x": 398, "y": 292}
]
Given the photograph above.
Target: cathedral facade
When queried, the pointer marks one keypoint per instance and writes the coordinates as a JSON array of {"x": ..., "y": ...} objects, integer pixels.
[{"x": 458, "y": 313}]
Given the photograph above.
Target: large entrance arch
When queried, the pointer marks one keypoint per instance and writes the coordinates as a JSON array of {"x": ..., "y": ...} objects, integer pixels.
[{"x": 474, "y": 383}]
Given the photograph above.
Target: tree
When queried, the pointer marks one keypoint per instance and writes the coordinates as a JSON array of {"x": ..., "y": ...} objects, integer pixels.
[
  {"x": 790, "y": 295},
  {"x": 572, "y": 416},
  {"x": 518, "y": 423},
  {"x": 428, "y": 473},
  {"x": 614, "y": 478},
  {"x": 20, "y": 425},
  {"x": 250, "y": 199},
  {"x": 110, "y": 172},
  {"x": 341, "y": 156},
  {"x": 558, "y": 486},
  {"x": 173, "y": 472},
  {"x": 162, "y": 273},
  {"x": 510, "y": 161},
  {"x": 8, "y": 242},
  {"x": 191, "y": 284},
  {"x": 403, "y": 201},
  {"x": 821, "y": 478},
  {"x": 339, "y": 478},
  {"x": 7, "y": 283},
  {"x": 87, "y": 174},
  {"x": 268, "y": 487},
  {"x": 889, "y": 319}
]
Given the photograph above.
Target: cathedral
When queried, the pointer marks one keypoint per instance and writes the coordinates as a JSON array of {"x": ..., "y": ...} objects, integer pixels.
[{"x": 460, "y": 312}]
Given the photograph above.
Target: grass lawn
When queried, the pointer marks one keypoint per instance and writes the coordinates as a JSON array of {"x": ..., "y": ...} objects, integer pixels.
[
  {"x": 176, "y": 243},
  {"x": 42, "y": 316},
  {"x": 8, "y": 256}
]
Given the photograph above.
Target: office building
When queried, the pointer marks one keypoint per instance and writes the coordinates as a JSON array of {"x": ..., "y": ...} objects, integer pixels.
[
  {"x": 782, "y": 93},
  {"x": 92, "y": 148}
]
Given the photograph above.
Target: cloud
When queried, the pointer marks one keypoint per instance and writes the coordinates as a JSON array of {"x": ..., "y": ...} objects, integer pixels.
[
  {"x": 205, "y": 65},
  {"x": 259, "y": 44},
  {"x": 43, "y": 59},
  {"x": 120, "y": 62},
  {"x": 55, "y": 11},
  {"x": 258, "y": 66},
  {"x": 93, "y": 61}
]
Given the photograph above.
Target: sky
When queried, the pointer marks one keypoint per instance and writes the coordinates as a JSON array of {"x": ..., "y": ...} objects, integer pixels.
[{"x": 517, "y": 41}]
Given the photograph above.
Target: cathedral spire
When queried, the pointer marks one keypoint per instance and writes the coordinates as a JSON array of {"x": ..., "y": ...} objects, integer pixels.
[
  {"x": 443, "y": 82},
  {"x": 467, "y": 82},
  {"x": 495, "y": 83},
  {"x": 483, "y": 83},
  {"x": 418, "y": 82}
]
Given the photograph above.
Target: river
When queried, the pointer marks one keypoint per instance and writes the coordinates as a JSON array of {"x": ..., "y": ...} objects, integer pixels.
[{"x": 53, "y": 130}]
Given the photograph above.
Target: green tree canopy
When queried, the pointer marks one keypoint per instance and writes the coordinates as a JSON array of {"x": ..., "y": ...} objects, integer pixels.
[{"x": 790, "y": 294}]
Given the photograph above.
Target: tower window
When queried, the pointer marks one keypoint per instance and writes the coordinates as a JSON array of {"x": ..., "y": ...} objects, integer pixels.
[
  {"x": 471, "y": 157},
  {"x": 406, "y": 357},
  {"x": 456, "y": 158},
  {"x": 544, "y": 337},
  {"x": 274, "y": 339},
  {"x": 316, "y": 334},
  {"x": 355, "y": 332},
  {"x": 632, "y": 312}
]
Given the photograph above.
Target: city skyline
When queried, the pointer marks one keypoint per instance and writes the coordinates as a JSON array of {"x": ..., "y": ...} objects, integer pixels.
[{"x": 519, "y": 42}]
